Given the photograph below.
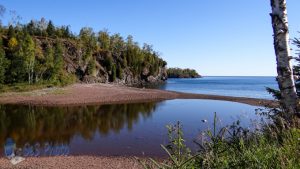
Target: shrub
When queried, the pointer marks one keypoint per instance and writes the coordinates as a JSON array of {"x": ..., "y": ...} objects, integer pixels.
[{"x": 235, "y": 147}]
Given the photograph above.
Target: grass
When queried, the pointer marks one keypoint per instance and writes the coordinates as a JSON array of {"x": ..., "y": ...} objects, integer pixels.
[
  {"x": 22, "y": 87},
  {"x": 25, "y": 87},
  {"x": 29, "y": 90},
  {"x": 63, "y": 80},
  {"x": 273, "y": 146}
]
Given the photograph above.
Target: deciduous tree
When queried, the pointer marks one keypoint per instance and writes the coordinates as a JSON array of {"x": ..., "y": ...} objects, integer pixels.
[{"x": 282, "y": 50}]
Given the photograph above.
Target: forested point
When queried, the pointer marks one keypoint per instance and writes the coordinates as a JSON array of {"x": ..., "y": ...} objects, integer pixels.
[
  {"x": 182, "y": 73},
  {"x": 41, "y": 53}
]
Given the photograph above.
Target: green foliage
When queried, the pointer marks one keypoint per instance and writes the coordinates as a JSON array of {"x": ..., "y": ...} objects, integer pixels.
[
  {"x": 21, "y": 57},
  {"x": 176, "y": 146},
  {"x": 40, "y": 52},
  {"x": 182, "y": 73},
  {"x": 276, "y": 93},
  {"x": 92, "y": 67},
  {"x": 117, "y": 44},
  {"x": 12, "y": 43},
  {"x": 66, "y": 33},
  {"x": 113, "y": 73},
  {"x": 4, "y": 62},
  {"x": 11, "y": 32},
  {"x": 274, "y": 146},
  {"x": 296, "y": 69},
  {"x": 58, "y": 68},
  {"x": 87, "y": 55},
  {"x": 22, "y": 87},
  {"x": 88, "y": 38},
  {"x": 66, "y": 79},
  {"x": 28, "y": 48},
  {"x": 108, "y": 62},
  {"x": 179, "y": 155},
  {"x": 50, "y": 29},
  {"x": 104, "y": 40},
  {"x": 30, "y": 28}
]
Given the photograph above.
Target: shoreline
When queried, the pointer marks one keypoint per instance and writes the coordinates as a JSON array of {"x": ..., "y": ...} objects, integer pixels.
[
  {"x": 92, "y": 94},
  {"x": 74, "y": 162}
]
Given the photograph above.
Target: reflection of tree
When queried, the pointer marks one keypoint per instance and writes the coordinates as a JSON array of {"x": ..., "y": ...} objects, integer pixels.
[{"x": 59, "y": 124}]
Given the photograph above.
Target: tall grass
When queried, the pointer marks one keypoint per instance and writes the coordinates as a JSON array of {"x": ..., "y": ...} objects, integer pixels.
[{"x": 273, "y": 146}]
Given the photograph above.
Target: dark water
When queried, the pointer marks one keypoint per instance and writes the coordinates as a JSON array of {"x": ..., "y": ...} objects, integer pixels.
[
  {"x": 119, "y": 129},
  {"x": 253, "y": 87}
]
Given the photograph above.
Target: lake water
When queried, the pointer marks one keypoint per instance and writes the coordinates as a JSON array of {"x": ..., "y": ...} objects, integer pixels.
[
  {"x": 253, "y": 87},
  {"x": 118, "y": 129}
]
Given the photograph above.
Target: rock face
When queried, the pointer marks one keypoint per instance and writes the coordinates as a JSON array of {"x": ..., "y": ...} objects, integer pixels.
[{"x": 75, "y": 64}]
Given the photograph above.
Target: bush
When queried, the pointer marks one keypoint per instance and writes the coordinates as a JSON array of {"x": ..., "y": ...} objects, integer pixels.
[{"x": 91, "y": 67}]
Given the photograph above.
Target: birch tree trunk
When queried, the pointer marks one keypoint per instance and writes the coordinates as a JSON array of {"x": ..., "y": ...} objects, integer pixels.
[{"x": 285, "y": 78}]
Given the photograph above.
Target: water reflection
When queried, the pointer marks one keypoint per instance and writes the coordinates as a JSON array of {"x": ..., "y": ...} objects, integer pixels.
[
  {"x": 119, "y": 129},
  {"x": 55, "y": 125}
]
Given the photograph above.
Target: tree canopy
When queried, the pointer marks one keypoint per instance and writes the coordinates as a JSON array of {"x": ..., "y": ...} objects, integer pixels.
[
  {"x": 39, "y": 52},
  {"x": 182, "y": 73}
]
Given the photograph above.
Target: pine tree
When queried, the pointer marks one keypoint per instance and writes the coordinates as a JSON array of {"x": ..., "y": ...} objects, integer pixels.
[
  {"x": 50, "y": 29},
  {"x": 104, "y": 40},
  {"x": 58, "y": 61},
  {"x": 66, "y": 32},
  {"x": 4, "y": 63},
  {"x": 91, "y": 67},
  {"x": 113, "y": 73}
]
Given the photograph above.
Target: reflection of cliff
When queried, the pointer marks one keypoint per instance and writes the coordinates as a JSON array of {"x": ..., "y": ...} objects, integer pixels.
[{"x": 60, "y": 124}]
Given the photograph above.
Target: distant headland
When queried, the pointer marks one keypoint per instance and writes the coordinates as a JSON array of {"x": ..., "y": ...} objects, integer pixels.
[{"x": 182, "y": 73}]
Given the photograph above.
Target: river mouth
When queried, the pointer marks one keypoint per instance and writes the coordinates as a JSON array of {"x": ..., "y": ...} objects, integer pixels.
[{"x": 135, "y": 129}]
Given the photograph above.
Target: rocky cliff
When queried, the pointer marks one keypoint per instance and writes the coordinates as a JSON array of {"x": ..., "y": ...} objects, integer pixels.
[{"x": 107, "y": 66}]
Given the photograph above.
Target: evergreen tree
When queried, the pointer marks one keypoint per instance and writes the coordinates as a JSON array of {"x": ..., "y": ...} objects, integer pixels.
[
  {"x": 50, "y": 29},
  {"x": 30, "y": 28},
  {"x": 87, "y": 36},
  {"x": 33, "y": 58},
  {"x": 66, "y": 32},
  {"x": 58, "y": 61},
  {"x": 113, "y": 73},
  {"x": 104, "y": 40},
  {"x": 91, "y": 69},
  {"x": 3, "y": 63},
  {"x": 11, "y": 32},
  {"x": 17, "y": 70}
]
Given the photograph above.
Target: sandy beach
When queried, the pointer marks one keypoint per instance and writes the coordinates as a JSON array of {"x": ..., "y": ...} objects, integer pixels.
[
  {"x": 73, "y": 162},
  {"x": 90, "y": 94}
]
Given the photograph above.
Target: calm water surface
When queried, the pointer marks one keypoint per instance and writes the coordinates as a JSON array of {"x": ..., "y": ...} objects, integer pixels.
[
  {"x": 118, "y": 129},
  {"x": 253, "y": 87}
]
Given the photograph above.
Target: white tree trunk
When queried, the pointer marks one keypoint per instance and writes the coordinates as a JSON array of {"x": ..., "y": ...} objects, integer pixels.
[{"x": 282, "y": 50}]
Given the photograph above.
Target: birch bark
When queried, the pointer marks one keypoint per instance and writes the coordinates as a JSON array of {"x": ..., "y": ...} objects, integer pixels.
[{"x": 282, "y": 50}]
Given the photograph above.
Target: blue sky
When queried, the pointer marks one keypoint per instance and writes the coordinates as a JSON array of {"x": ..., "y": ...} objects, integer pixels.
[{"x": 215, "y": 37}]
